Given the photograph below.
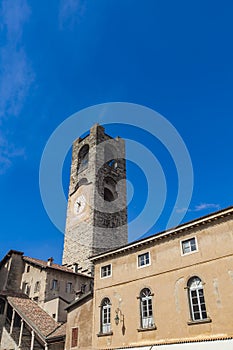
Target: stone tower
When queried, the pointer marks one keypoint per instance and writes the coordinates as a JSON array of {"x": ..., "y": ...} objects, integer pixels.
[{"x": 96, "y": 213}]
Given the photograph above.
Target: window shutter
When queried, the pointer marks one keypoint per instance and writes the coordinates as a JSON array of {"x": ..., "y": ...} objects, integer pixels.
[{"x": 74, "y": 341}]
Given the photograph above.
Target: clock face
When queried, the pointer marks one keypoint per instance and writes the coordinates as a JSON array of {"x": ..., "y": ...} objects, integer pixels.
[{"x": 79, "y": 204}]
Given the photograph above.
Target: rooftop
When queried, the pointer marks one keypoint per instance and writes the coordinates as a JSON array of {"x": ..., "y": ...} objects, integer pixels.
[
  {"x": 164, "y": 234},
  {"x": 79, "y": 300},
  {"x": 44, "y": 264},
  {"x": 36, "y": 317}
]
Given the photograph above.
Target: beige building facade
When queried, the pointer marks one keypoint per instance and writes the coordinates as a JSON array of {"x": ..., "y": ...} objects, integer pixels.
[
  {"x": 34, "y": 295},
  {"x": 79, "y": 333},
  {"x": 172, "y": 290}
]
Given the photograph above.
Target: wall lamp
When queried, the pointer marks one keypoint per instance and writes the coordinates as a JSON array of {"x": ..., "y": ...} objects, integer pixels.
[{"x": 119, "y": 316}]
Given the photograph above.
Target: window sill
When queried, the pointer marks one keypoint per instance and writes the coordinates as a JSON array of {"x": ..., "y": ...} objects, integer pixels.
[
  {"x": 188, "y": 253},
  {"x": 147, "y": 329},
  {"x": 206, "y": 320},
  {"x": 142, "y": 266},
  {"x": 104, "y": 334}
]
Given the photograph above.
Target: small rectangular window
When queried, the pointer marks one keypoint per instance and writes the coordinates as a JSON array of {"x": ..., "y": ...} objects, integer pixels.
[
  {"x": 26, "y": 288},
  {"x": 189, "y": 246},
  {"x": 143, "y": 259},
  {"x": 69, "y": 287},
  {"x": 106, "y": 271},
  {"x": 74, "y": 338},
  {"x": 37, "y": 287},
  {"x": 55, "y": 284}
]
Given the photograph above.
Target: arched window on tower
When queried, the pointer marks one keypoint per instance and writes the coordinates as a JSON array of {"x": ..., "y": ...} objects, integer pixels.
[
  {"x": 109, "y": 156},
  {"x": 83, "y": 158},
  {"x": 196, "y": 299},
  {"x": 82, "y": 182},
  {"x": 146, "y": 308},
  {"x": 105, "y": 316},
  {"x": 110, "y": 193}
]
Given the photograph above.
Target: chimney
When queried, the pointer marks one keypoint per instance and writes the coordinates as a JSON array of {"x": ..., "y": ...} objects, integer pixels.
[
  {"x": 50, "y": 261},
  {"x": 75, "y": 267}
]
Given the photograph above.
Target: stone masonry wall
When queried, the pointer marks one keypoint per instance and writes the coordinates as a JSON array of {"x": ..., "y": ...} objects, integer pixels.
[
  {"x": 15, "y": 271},
  {"x": 101, "y": 225}
]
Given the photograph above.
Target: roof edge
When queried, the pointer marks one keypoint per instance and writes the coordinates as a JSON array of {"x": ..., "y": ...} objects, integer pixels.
[
  {"x": 75, "y": 302},
  {"x": 52, "y": 267},
  {"x": 26, "y": 319},
  {"x": 163, "y": 234},
  {"x": 8, "y": 255}
]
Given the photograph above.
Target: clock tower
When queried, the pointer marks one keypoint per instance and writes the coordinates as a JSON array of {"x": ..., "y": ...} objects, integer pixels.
[{"x": 96, "y": 213}]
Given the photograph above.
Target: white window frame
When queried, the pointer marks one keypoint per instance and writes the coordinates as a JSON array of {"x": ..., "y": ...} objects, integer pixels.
[
  {"x": 146, "y": 303},
  {"x": 199, "y": 290},
  {"x": 148, "y": 264},
  {"x": 188, "y": 240},
  {"x": 105, "y": 316},
  {"x": 105, "y": 266}
]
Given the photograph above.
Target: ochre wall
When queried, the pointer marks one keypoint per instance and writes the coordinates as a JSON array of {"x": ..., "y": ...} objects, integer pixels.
[
  {"x": 82, "y": 318},
  {"x": 167, "y": 278}
]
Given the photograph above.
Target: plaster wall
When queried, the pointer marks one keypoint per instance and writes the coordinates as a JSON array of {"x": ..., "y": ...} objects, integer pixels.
[
  {"x": 167, "y": 277},
  {"x": 82, "y": 318}
]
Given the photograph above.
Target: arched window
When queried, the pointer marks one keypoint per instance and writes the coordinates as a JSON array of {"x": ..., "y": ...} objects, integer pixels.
[
  {"x": 109, "y": 156},
  {"x": 105, "y": 316},
  {"x": 110, "y": 193},
  {"x": 146, "y": 309},
  {"x": 196, "y": 299},
  {"x": 83, "y": 158},
  {"x": 82, "y": 182}
]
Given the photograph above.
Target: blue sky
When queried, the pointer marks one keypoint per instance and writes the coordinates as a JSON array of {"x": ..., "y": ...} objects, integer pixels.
[{"x": 175, "y": 57}]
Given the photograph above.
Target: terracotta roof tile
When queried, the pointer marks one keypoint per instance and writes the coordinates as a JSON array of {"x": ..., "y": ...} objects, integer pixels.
[
  {"x": 11, "y": 293},
  {"x": 43, "y": 264},
  {"x": 34, "y": 315},
  {"x": 59, "y": 332}
]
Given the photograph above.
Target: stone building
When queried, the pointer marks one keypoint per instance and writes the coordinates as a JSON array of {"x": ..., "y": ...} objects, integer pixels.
[
  {"x": 33, "y": 297},
  {"x": 171, "y": 291},
  {"x": 96, "y": 213},
  {"x": 34, "y": 294}
]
